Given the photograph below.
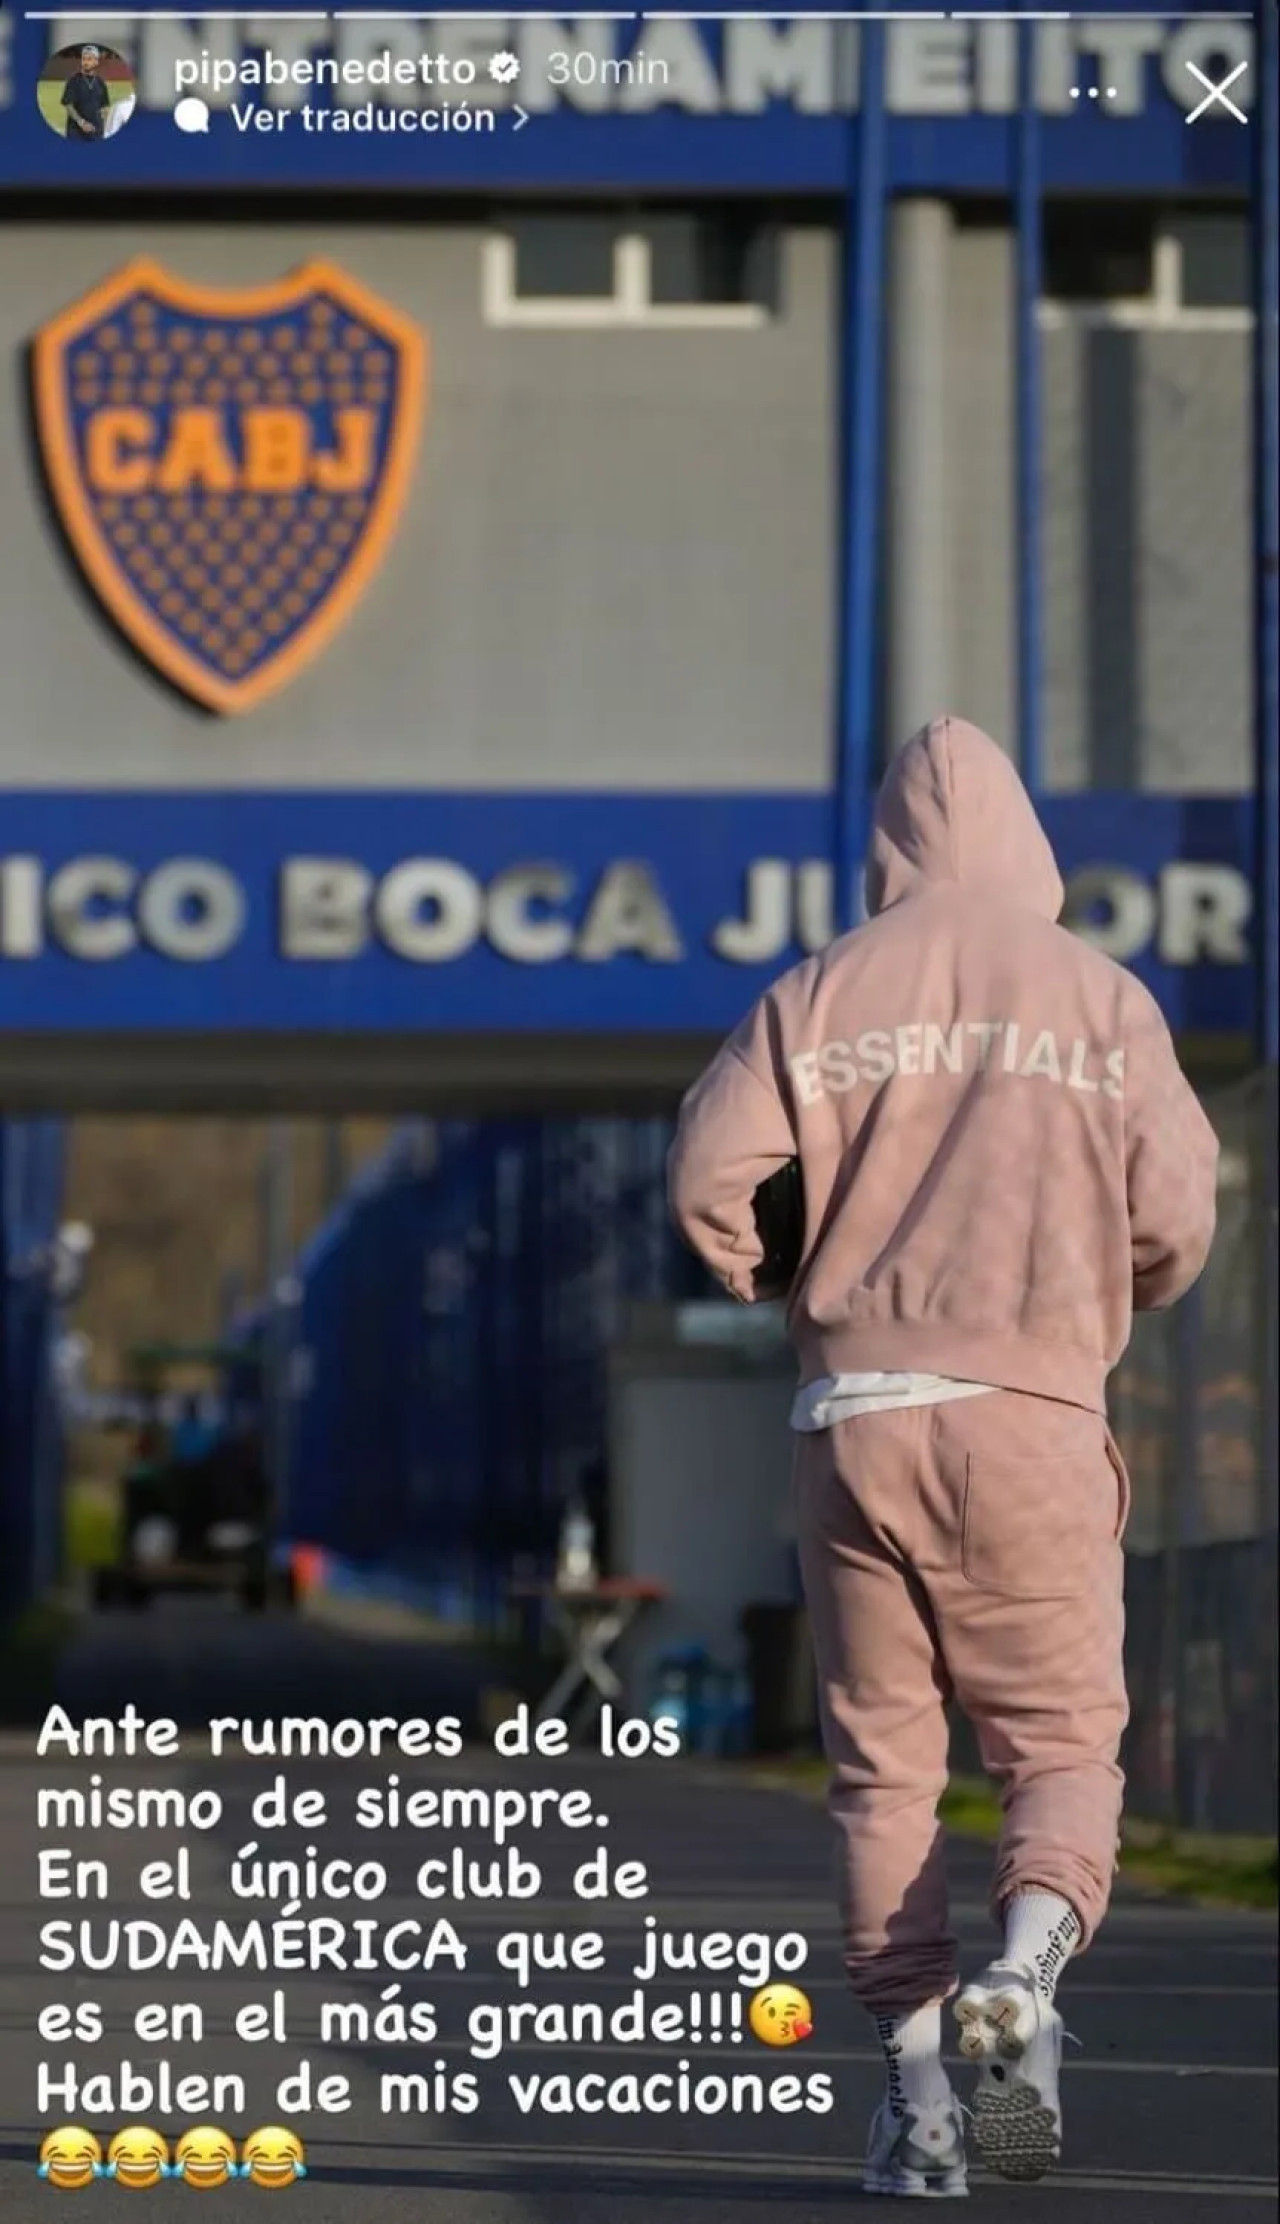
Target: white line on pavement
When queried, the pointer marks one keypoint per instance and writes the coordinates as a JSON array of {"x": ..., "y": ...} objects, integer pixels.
[{"x": 813, "y": 2167}]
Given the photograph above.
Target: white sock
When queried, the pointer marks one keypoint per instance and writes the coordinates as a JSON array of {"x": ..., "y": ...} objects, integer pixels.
[
  {"x": 913, "y": 2057},
  {"x": 1041, "y": 1932}
]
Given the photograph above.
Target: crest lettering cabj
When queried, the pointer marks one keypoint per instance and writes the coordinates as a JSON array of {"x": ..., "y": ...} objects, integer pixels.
[{"x": 229, "y": 465}]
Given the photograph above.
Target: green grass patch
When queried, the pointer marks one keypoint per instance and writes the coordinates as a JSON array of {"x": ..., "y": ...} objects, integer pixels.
[
  {"x": 971, "y": 1810},
  {"x": 49, "y": 92},
  {"x": 1212, "y": 1870},
  {"x": 1196, "y": 1865},
  {"x": 31, "y": 1646},
  {"x": 49, "y": 95},
  {"x": 91, "y": 1527}
]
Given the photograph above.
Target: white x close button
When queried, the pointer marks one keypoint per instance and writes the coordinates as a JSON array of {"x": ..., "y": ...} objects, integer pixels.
[{"x": 1216, "y": 95}]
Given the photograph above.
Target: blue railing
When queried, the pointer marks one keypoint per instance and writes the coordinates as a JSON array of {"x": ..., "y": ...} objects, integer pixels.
[
  {"x": 31, "y": 1444},
  {"x": 448, "y": 1342}
]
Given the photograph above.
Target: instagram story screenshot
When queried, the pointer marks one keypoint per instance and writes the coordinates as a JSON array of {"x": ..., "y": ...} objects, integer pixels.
[{"x": 639, "y": 819}]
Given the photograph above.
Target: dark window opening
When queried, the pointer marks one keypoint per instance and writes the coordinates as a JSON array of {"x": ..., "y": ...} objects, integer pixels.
[
  {"x": 1215, "y": 259},
  {"x": 717, "y": 261},
  {"x": 1098, "y": 252},
  {"x": 708, "y": 258},
  {"x": 565, "y": 256}
]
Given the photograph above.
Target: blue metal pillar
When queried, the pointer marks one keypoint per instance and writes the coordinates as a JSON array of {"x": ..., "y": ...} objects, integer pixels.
[
  {"x": 31, "y": 1468},
  {"x": 1029, "y": 612},
  {"x": 11, "y": 1535},
  {"x": 1266, "y": 215},
  {"x": 1266, "y": 221},
  {"x": 861, "y": 375}
]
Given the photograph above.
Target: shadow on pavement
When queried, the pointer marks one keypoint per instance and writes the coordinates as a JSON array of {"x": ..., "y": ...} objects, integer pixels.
[
  {"x": 565, "y": 2177},
  {"x": 190, "y": 1659}
]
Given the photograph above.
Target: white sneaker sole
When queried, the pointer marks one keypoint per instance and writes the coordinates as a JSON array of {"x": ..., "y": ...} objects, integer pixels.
[
  {"x": 989, "y": 2024},
  {"x": 1016, "y": 2133},
  {"x": 955, "y": 2187}
]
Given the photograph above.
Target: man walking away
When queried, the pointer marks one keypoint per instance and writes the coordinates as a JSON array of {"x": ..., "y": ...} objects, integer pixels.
[
  {"x": 86, "y": 98},
  {"x": 1001, "y": 1161}
]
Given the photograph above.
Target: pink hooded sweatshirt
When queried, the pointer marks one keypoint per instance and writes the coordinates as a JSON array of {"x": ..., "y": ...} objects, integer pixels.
[{"x": 1002, "y": 1158}]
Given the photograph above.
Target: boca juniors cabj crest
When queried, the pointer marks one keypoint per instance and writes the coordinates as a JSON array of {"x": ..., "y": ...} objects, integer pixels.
[{"x": 229, "y": 465}]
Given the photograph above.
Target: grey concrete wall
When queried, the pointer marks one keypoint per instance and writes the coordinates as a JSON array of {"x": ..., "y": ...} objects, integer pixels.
[
  {"x": 1147, "y": 542},
  {"x": 920, "y": 674},
  {"x": 677, "y": 1417},
  {"x": 981, "y": 524},
  {"x": 1145, "y": 538},
  {"x": 614, "y": 568}
]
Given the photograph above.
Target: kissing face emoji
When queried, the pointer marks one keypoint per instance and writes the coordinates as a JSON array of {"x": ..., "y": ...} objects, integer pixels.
[
  {"x": 70, "y": 2157},
  {"x": 205, "y": 2157},
  {"x": 138, "y": 2157},
  {"x": 780, "y": 2015},
  {"x": 273, "y": 2157}
]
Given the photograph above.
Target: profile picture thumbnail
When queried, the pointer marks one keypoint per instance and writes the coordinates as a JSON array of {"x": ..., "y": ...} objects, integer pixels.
[{"x": 86, "y": 92}]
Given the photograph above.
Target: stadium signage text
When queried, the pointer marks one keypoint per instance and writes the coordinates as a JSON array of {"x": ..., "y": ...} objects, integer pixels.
[{"x": 435, "y": 910}]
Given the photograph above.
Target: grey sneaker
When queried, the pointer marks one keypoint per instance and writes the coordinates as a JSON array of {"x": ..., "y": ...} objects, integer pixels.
[
  {"x": 1016, "y": 2036},
  {"x": 918, "y": 2155}
]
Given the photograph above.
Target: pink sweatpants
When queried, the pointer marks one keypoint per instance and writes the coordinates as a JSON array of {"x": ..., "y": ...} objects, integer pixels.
[{"x": 970, "y": 1551}]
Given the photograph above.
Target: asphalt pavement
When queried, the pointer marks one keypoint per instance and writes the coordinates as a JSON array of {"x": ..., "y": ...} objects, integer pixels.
[{"x": 1170, "y": 2096}]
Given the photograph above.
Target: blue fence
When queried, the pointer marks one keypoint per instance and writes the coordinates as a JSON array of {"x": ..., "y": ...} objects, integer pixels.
[
  {"x": 444, "y": 1344},
  {"x": 31, "y": 1171}
]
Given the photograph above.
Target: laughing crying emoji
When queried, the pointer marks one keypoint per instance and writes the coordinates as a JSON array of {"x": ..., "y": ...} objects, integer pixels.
[
  {"x": 137, "y": 2158},
  {"x": 70, "y": 2158},
  {"x": 273, "y": 2157},
  {"x": 205, "y": 2157}
]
